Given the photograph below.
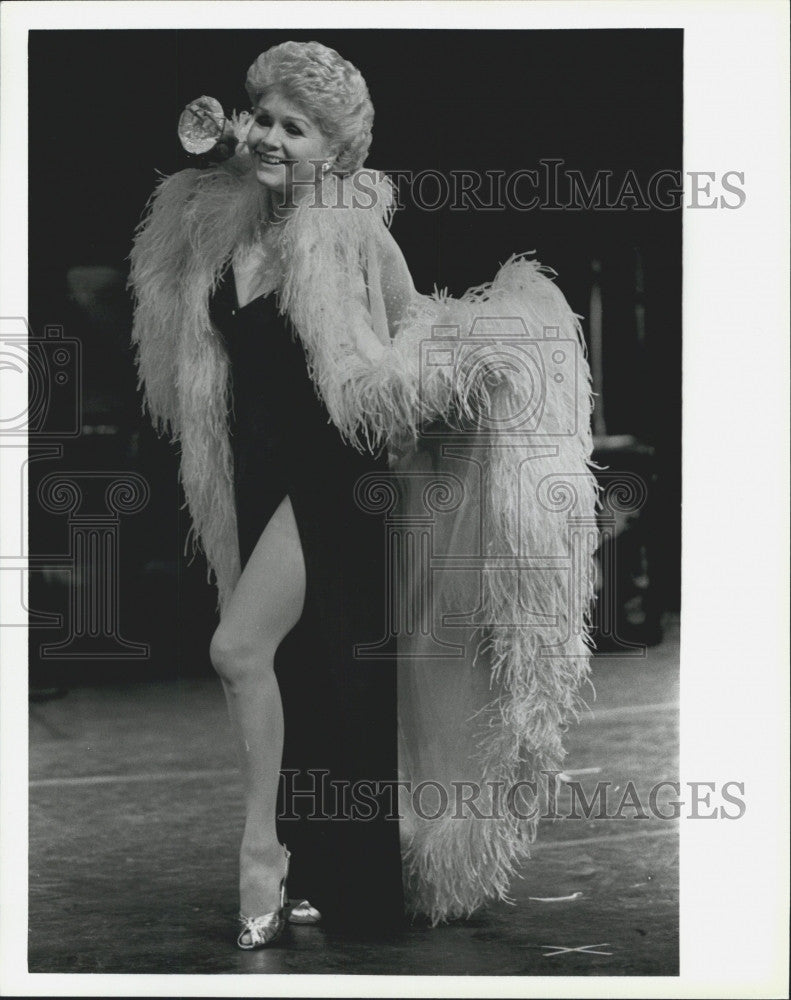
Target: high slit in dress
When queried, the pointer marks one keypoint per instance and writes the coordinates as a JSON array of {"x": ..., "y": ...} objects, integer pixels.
[{"x": 340, "y": 710}]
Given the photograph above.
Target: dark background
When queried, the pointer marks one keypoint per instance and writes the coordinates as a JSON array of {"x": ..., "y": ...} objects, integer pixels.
[{"x": 103, "y": 110}]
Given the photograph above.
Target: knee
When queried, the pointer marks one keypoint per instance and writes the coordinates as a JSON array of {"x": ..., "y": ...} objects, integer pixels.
[{"x": 237, "y": 657}]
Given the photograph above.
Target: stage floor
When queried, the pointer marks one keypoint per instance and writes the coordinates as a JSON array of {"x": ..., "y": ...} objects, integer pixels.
[{"x": 135, "y": 812}]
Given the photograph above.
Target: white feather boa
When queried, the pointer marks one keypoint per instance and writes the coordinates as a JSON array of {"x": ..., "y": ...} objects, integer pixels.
[{"x": 539, "y": 495}]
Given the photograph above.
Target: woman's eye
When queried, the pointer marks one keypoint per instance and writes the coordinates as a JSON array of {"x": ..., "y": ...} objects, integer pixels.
[{"x": 265, "y": 121}]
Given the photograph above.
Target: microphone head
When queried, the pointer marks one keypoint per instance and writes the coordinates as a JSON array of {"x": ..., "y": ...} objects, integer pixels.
[{"x": 201, "y": 129}]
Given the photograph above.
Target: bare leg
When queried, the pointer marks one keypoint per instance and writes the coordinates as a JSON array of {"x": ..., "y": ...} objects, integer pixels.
[{"x": 265, "y": 606}]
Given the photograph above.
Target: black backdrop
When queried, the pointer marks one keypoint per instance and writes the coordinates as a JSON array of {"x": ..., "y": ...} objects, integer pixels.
[{"x": 103, "y": 108}]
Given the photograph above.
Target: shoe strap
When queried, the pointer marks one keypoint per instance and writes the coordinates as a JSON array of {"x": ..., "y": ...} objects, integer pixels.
[{"x": 260, "y": 928}]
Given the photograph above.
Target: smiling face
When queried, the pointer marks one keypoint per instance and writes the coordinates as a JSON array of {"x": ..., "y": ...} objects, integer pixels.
[{"x": 287, "y": 147}]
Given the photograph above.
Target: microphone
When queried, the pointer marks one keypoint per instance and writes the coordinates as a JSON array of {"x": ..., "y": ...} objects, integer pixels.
[{"x": 205, "y": 129}]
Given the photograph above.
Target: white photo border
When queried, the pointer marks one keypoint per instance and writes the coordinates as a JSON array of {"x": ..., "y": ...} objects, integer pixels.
[{"x": 734, "y": 653}]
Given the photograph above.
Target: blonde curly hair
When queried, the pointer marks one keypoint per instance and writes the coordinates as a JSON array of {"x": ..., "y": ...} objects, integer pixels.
[{"x": 330, "y": 90}]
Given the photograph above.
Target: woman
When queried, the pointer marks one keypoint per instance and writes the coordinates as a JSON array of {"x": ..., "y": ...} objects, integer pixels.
[{"x": 281, "y": 341}]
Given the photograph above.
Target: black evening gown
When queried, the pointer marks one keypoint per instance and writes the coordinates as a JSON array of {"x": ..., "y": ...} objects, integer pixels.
[{"x": 340, "y": 710}]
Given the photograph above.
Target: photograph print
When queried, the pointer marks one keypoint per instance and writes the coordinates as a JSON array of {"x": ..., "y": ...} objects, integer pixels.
[{"x": 355, "y": 501}]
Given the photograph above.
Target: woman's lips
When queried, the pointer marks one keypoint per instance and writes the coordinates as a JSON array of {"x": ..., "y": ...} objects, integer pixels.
[{"x": 271, "y": 160}]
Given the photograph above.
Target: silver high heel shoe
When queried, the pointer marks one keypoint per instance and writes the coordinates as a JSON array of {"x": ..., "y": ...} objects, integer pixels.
[
  {"x": 304, "y": 913},
  {"x": 266, "y": 929}
]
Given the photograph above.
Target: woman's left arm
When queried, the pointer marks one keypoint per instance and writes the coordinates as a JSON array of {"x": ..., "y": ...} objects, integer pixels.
[
  {"x": 387, "y": 388},
  {"x": 389, "y": 285},
  {"x": 350, "y": 295}
]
